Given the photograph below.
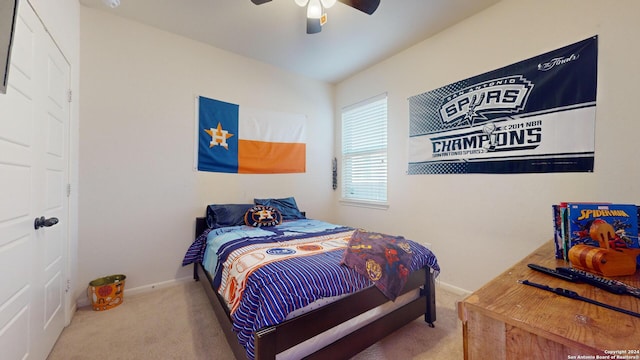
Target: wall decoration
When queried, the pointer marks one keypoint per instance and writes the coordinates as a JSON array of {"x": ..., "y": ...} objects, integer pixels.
[
  {"x": 235, "y": 139},
  {"x": 334, "y": 173},
  {"x": 534, "y": 116}
]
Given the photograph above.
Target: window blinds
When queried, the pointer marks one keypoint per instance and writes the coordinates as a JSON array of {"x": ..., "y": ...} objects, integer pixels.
[{"x": 364, "y": 150}]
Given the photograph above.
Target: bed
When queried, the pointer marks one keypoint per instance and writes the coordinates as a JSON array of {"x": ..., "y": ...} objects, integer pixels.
[{"x": 267, "y": 319}]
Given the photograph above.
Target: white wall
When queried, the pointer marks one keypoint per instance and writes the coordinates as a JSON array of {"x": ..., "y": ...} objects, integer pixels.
[
  {"x": 140, "y": 194},
  {"x": 479, "y": 225}
]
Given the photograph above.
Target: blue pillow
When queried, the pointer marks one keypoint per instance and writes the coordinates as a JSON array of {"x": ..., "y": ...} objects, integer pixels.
[
  {"x": 226, "y": 215},
  {"x": 287, "y": 206}
]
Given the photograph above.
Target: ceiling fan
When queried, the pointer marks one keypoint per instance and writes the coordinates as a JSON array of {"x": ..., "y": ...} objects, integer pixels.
[{"x": 316, "y": 17}]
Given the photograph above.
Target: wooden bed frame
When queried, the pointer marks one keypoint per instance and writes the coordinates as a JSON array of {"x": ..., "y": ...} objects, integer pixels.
[{"x": 275, "y": 339}]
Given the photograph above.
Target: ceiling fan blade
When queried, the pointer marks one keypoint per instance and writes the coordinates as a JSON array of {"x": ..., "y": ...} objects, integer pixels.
[
  {"x": 366, "y": 6},
  {"x": 314, "y": 25},
  {"x": 260, "y": 2}
]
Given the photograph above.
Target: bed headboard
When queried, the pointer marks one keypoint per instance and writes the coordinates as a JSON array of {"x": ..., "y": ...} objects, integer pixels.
[{"x": 201, "y": 225}]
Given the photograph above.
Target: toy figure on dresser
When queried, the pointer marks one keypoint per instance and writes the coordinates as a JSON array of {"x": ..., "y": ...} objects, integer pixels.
[{"x": 612, "y": 257}]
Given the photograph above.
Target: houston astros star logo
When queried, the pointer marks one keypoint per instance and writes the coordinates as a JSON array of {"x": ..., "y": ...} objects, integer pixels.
[{"x": 218, "y": 137}]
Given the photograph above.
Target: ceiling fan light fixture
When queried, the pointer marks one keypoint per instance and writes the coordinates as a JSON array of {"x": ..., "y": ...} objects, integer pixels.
[
  {"x": 316, "y": 17},
  {"x": 314, "y": 9}
]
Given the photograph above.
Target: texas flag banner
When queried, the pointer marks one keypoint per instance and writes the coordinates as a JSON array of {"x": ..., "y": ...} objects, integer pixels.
[{"x": 235, "y": 139}]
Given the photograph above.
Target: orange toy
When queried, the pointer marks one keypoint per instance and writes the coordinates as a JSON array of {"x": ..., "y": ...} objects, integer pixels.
[{"x": 604, "y": 260}]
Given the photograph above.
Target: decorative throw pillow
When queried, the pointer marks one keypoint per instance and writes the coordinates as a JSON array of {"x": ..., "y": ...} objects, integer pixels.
[
  {"x": 287, "y": 207},
  {"x": 221, "y": 215},
  {"x": 261, "y": 215}
]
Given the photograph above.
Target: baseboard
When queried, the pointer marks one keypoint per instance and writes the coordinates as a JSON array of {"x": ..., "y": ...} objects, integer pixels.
[
  {"x": 454, "y": 289},
  {"x": 73, "y": 307},
  {"x": 84, "y": 301}
]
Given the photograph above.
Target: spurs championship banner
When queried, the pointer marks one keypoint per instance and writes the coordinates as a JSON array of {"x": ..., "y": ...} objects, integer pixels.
[
  {"x": 534, "y": 116},
  {"x": 235, "y": 139}
]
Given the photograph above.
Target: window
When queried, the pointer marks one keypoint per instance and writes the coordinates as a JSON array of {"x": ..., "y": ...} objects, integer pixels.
[{"x": 364, "y": 151}]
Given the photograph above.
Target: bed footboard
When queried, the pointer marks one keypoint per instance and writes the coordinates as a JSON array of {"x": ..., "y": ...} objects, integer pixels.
[
  {"x": 273, "y": 340},
  {"x": 429, "y": 292}
]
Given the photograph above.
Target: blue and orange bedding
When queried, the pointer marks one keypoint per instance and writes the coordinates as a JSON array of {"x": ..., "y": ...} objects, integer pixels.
[{"x": 265, "y": 273}]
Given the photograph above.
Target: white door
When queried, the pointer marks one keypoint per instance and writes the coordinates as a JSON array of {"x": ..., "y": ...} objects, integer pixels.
[{"x": 34, "y": 138}]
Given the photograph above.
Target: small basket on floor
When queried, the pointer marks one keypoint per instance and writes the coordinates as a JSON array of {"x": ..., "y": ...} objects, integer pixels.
[{"x": 106, "y": 292}]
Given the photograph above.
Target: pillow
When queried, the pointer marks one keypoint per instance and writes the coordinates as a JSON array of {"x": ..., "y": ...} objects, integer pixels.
[
  {"x": 226, "y": 215},
  {"x": 261, "y": 215},
  {"x": 287, "y": 207}
]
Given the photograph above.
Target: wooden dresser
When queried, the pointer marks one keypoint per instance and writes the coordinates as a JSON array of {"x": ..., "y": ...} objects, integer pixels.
[{"x": 508, "y": 320}]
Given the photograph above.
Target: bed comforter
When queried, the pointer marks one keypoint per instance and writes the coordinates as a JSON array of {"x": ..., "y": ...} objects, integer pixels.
[{"x": 265, "y": 273}]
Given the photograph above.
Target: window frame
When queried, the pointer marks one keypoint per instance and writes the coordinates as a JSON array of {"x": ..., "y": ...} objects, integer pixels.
[{"x": 365, "y": 151}]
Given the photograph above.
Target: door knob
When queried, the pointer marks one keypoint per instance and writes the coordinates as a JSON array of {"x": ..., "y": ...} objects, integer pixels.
[{"x": 41, "y": 221}]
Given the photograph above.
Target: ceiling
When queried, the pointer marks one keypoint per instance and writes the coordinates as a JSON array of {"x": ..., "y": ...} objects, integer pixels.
[{"x": 275, "y": 32}]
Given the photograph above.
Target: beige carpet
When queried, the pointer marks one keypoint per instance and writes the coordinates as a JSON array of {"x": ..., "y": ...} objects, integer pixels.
[{"x": 178, "y": 323}]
